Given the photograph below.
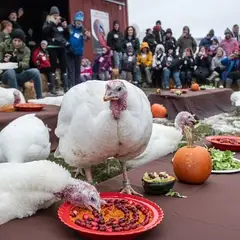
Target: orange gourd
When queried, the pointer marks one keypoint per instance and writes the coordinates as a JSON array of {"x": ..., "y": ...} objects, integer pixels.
[
  {"x": 195, "y": 87},
  {"x": 158, "y": 111},
  {"x": 192, "y": 164}
]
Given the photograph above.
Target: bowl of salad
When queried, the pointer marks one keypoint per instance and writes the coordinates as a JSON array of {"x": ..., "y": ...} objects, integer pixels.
[
  {"x": 224, "y": 161},
  {"x": 157, "y": 183}
]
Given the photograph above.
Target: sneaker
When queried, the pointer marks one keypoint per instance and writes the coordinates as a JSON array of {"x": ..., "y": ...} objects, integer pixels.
[
  {"x": 221, "y": 86},
  {"x": 179, "y": 87}
]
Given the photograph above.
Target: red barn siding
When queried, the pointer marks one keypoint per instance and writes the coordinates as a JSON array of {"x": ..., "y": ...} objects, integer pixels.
[{"x": 114, "y": 14}]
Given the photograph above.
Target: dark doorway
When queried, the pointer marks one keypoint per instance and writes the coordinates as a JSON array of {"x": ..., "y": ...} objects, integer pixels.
[{"x": 35, "y": 13}]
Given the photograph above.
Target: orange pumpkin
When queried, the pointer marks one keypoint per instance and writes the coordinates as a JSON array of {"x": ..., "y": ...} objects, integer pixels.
[
  {"x": 158, "y": 111},
  {"x": 195, "y": 87},
  {"x": 192, "y": 164}
]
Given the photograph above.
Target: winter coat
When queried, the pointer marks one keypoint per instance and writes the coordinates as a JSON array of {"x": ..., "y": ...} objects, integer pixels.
[
  {"x": 159, "y": 34},
  {"x": 76, "y": 39},
  {"x": 4, "y": 37},
  {"x": 231, "y": 65},
  {"x": 216, "y": 61},
  {"x": 128, "y": 63},
  {"x": 115, "y": 40},
  {"x": 22, "y": 55},
  {"x": 187, "y": 64},
  {"x": 186, "y": 42},
  {"x": 134, "y": 42},
  {"x": 158, "y": 56},
  {"x": 105, "y": 62},
  {"x": 150, "y": 39},
  {"x": 55, "y": 34},
  {"x": 228, "y": 45},
  {"x": 170, "y": 43},
  {"x": 203, "y": 62},
  {"x": 40, "y": 58},
  {"x": 205, "y": 42},
  {"x": 145, "y": 59},
  {"x": 171, "y": 62}
]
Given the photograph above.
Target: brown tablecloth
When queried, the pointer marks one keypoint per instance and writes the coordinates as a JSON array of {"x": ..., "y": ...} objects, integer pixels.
[
  {"x": 48, "y": 115},
  {"x": 204, "y": 103},
  {"x": 209, "y": 212}
]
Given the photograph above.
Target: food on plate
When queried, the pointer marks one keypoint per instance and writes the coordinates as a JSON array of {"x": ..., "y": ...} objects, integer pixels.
[
  {"x": 223, "y": 160},
  {"x": 157, "y": 177},
  {"x": 7, "y": 108},
  {"x": 116, "y": 215},
  {"x": 227, "y": 141},
  {"x": 204, "y": 87},
  {"x": 158, "y": 91},
  {"x": 28, "y": 105}
]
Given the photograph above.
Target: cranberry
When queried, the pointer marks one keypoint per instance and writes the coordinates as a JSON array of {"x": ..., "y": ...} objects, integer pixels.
[
  {"x": 118, "y": 229},
  {"x": 111, "y": 220},
  {"x": 78, "y": 222},
  {"x": 83, "y": 224},
  {"x": 110, "y": 200},
  {"x": 102, "y": 228},
  {"x": 121, "y": 220},
  {"x": 85, "y": 217},
  {"x": 122, "y": 224},
  {"x": 109, "y": 229},
  {"x": 109, "y": 223},
  {"x": 90, "y": 219},
  {"x": 134, "y": 226},
  {"x": 96, "y": 220},
  {"x": 123, "y": 201},
  {"x": 132, "y": 221},
  {"x": 115, "y": 225},
  {"x": 94, "y": 224},
  {"x": 130, "y": 202},
  {"x": 72, "y": 214},
  {"x": 115, "y": 222},
  {"x": 88, "y": 226},
  {"x": 101, "y": 221},
  {"x": 126, "y": 228}
]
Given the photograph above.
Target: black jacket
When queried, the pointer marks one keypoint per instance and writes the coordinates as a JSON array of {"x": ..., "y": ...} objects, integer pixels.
[
  {"x": 159, "y": 35},
  {"x": 169, "y": 43},
  {"x": 175, "y": 64},
  {"x": 134, "y": 42},
  {"x": 55, "y": 34},
  {"x": 150, "y": 39},
  {"x": 115, "y": 40},
  {"x": 187, "y": 64},
  {"x": 203, "y": 62}
]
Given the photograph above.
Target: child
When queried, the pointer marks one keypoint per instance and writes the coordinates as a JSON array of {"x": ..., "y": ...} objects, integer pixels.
[
  {"x": 187, "y": 67},
  {"x": 77, "y": 35},
  {"x": 144, "y": 63},
  {"x": 157, "y": 64},
  {"x": 105, "y": 64},
  {"x": 128, "y": 65},
  {"x": 41, "y": 61},
  {"x": 86, "y": 70},
  {"x": 213, "y": 48}
]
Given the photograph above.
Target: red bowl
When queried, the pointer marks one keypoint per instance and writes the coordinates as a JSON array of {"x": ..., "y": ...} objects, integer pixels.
[
  {"x": 29, "y": 107},
  {"x": 157, "y": 213},
  {"x": 232, "y": 146}
]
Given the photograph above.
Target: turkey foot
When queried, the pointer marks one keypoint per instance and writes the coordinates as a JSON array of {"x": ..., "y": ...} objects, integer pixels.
[
  {"x": 77, "y": 172},
  {"x": 126, "y": 185},
  {"x": 129, "y": 190}
]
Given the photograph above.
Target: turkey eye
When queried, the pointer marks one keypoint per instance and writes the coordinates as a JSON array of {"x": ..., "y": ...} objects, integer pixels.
[
  {"x": 92, "y": 199},
  {"x": 119, "y": 89}
]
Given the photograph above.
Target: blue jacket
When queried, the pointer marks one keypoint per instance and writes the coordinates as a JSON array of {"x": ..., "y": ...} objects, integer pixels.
[
  {"x": 76, "y": 39},
  {"x": 229, "y": 64},
  {"x": 205, "y": 42}
]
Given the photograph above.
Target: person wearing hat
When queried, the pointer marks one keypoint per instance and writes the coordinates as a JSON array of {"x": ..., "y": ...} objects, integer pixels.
[
  {"x": 169, "y": 41},
  {"x": 236, "y": 34},
  {"x": 115, "y": 42},
  {"x": 229, "y": 43},
  {"x": 55, "y": 31},
  {"x": 207, "y": 41},
  {"x": 150, "y": 39},
  {"x": 77, "y": 36},
  {"x": 158, "y": 32},
  {"x": 186, "y": 41},
  {"x": 20, "y": 54}
]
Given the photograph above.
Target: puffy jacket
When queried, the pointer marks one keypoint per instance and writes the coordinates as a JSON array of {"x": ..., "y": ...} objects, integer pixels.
[
  {"x": 40, "y": 58},
  {"x": 145, "y": 60}
]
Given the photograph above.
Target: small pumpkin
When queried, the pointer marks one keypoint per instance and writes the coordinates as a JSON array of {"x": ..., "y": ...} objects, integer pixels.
[
  {"x": 158, "y": 91},
  {"x": 195, "y": 87},
  {"x": 192, "y": 164},
  {"x": 158, "y": 111}
]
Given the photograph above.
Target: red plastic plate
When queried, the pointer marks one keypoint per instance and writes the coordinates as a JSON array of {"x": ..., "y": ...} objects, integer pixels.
[
  {"x": 157, "y": 213},
  {"x": 234, "y": 146},
  {"x": 28, "y": 107}
]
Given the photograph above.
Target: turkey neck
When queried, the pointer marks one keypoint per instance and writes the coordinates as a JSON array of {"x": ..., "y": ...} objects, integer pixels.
[{"x": 117, "y": 106}]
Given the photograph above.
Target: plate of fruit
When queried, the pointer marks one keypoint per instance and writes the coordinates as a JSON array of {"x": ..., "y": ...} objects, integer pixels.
[
  {"x": 157, "y": 183},
  {"x": 122, "y": 216},
  {"x": 231, "y": 143},
  {"x": 28, "y": 107}
]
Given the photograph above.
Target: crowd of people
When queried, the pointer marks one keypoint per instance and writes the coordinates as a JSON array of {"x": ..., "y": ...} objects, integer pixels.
[{"x": 150, "y": 63}]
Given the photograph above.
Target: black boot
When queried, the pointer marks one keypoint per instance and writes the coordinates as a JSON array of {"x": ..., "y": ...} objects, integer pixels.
[
  {"x": 65, "y": 82},
  {"x": 52, "y": 79}
]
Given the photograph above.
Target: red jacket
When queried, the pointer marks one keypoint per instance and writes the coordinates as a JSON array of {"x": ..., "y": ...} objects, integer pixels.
[{"x": 40, "y": 59}]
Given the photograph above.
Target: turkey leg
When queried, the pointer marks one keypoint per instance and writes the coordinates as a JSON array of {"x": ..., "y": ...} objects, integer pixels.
[
  {"x": 126, "y": 185},
  {"x": 77, "y": 171},
  {"x": 88, "y": 174}
]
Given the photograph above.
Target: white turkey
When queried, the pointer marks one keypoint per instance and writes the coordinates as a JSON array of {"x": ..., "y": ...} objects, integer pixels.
[
  {"x": 235, "y": 100},
  {"x": 24, "y": 139},
  {"x": 164, "y": 139},
  {"x": 99, "y": 120},
  {"x": 28, "y": 187},
  {"x": 10, "y": 96},
  {"x": 48, "y": 100}
]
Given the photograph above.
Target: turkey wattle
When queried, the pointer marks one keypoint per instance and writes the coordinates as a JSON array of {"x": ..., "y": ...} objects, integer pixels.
[{"x": 99, "y": 120}]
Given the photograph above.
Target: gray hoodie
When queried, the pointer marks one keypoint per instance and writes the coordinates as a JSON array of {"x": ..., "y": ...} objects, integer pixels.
[{"x": 216, "y": 61}]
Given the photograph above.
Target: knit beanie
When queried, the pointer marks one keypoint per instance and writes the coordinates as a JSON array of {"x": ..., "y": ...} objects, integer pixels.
[
  {"x": 54, "y": 10},
  {"x": 18, "y": 33},
  {"x": 211, "y": 33},
  {"x": 227, "y": 31},
  {"x": 44, "y": 42},
  {"x": 158, "y": 22},
  {"x": 186, "y": 28},
  {"x": 79, "y": 16},
  {"x": 169, "y": 30}
]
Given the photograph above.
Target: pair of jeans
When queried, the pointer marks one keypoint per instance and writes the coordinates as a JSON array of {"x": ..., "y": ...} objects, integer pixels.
[
  {"x": 186, "y": 77},
  {"x": 166, "y": 76},
  {"x": 146, "y": 71},
  {"x": 105, "y": 76},
  {"x": 73, "y": 69},
  {"x": 14, "y": 80},
  {"x": 116, "y": 59}
]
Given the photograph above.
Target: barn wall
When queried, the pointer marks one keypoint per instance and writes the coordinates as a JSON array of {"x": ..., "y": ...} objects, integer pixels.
[{"x": 115, "y": 13}]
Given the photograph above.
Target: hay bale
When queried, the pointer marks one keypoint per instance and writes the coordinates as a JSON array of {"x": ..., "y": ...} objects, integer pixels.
[
  {"x": 44, "y": 82},
  {"x": 115, "y": 73},
  {"x": 29, "y": 91}
]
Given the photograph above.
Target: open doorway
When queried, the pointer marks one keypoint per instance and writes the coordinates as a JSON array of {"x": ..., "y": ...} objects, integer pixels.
[{"x": 35, "y": 13}]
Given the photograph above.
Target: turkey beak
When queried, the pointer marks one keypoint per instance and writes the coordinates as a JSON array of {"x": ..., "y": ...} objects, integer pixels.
[{"x": 109, "y": 98}]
